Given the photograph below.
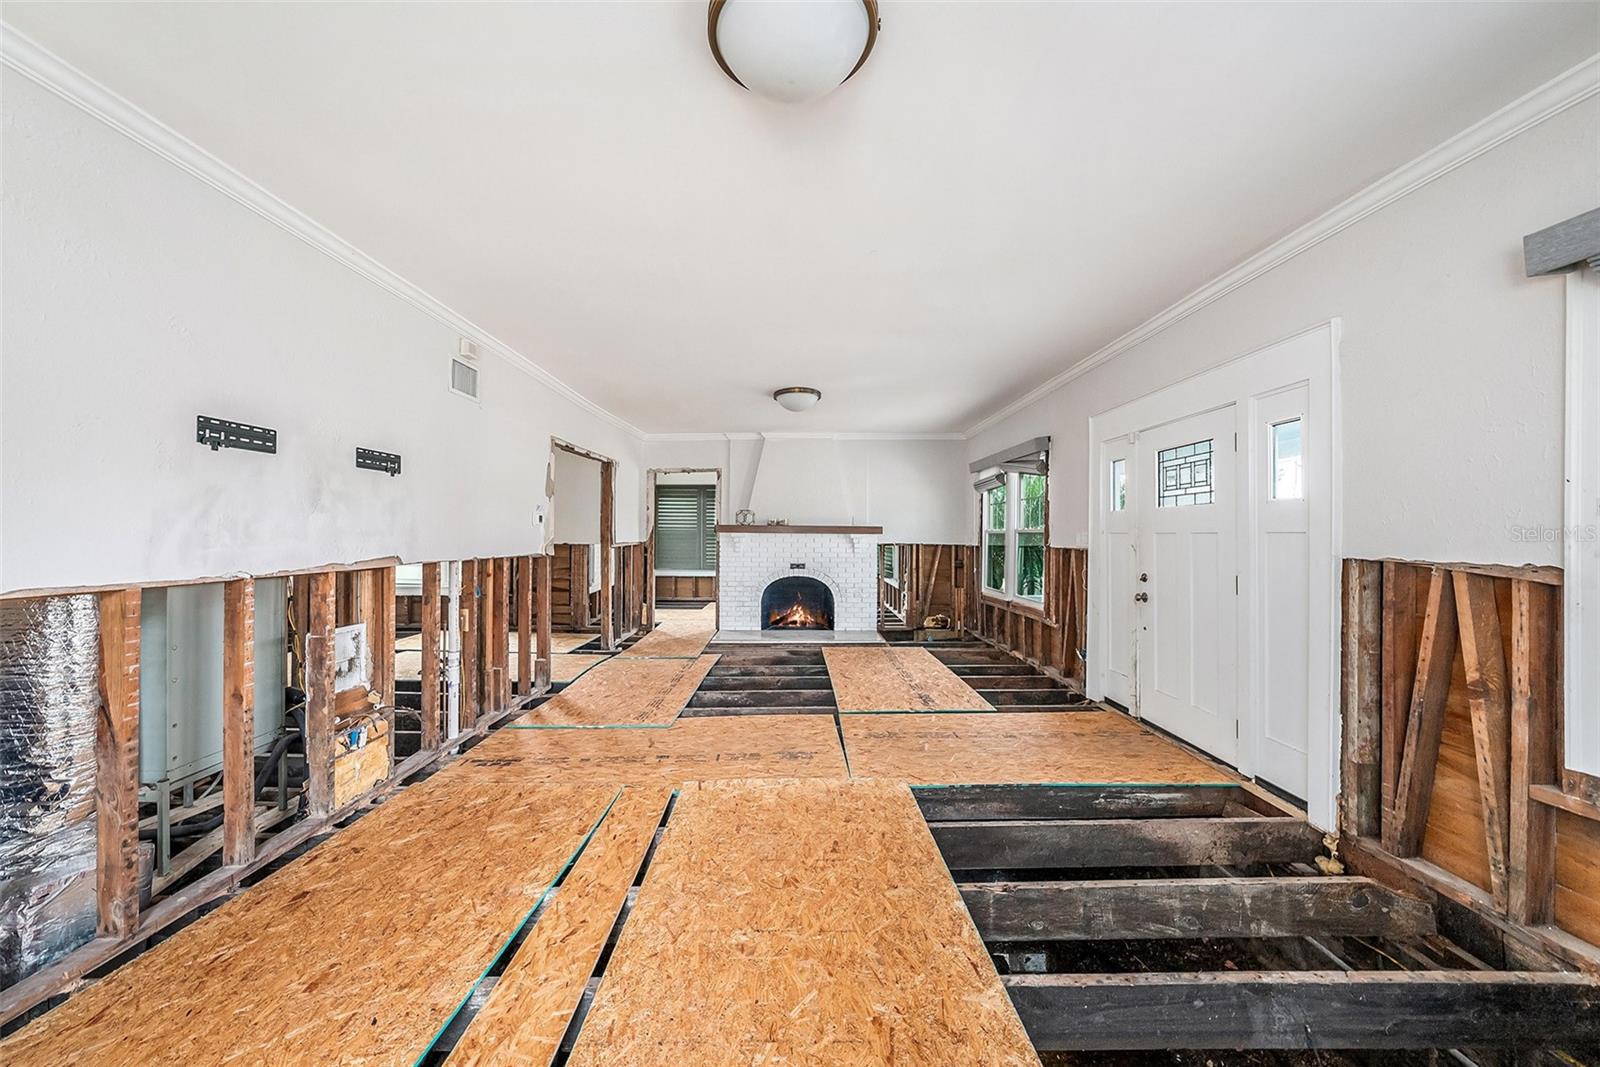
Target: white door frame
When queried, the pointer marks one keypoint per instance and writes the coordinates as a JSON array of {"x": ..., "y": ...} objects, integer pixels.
[{"x": 1310, "y": 357}]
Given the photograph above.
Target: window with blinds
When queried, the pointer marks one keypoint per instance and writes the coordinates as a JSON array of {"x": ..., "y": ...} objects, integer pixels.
[{"x": 686, "y": 527}]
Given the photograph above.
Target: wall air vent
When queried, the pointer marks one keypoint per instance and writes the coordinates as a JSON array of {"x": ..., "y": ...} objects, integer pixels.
[
  {"x": 370, "y": 459},
  {"x": 224, "y": 433},
  {"x": 463, "y": 378}
]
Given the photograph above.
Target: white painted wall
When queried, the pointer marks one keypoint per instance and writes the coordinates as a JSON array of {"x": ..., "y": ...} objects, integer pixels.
[
  {"x": 917, "y": 489},
  {"x": 136, "y": 297},
  {"x": 1452, "y": 360},
  {"x": 575, "y": 509}
]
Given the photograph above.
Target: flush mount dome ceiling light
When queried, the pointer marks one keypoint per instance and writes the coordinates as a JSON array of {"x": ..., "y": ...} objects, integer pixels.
[
  {"x": 792, "y": 50},
  {"x": 797, "y": 397}
]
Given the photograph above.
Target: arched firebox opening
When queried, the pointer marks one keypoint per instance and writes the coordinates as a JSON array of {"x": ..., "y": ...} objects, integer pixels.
[{"x": 797, "y": 603}]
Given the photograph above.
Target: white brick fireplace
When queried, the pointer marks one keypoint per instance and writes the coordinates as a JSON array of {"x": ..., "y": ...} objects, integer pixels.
[{"x": 844, "y": 558}]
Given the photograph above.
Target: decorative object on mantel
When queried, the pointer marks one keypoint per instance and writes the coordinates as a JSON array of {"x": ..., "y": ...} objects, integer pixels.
[
  {"x": 745, "y": 517},
  {"x": 797, "y": 397}
]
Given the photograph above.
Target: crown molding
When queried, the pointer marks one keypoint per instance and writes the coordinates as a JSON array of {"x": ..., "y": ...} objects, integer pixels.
[
  {"x": 54, "y": 74},
  {"x": 1555, "y": 96},
  {"x": 780, "y": 435}
]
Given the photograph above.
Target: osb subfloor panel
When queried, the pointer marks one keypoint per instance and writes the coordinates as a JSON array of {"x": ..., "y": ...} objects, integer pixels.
[
  {"x": 765, "y": 746},
  {"x": 532, "y": 1004},
  {"x": 678, "y": 633},
  {"x": 636, "y": 692},
  {"x": 883, "y": 678},
  {"x": 799, "y": 923},
  {"x": 570, "y": 667},
  {"x": 998, "y": 747},
  {"x": 355, "y": 953}
]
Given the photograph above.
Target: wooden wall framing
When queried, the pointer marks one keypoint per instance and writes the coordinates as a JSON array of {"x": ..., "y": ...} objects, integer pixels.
[
  {"x": 1050, "y": 636},
  {"x": 1452, "y": 763}
]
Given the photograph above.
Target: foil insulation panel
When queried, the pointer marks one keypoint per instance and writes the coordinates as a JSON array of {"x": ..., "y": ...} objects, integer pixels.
[{"x": 49, "y": 694}]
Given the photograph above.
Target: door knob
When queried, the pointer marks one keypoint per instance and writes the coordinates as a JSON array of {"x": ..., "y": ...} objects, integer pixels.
[
  {"x": 1142, "y": 598},
  {"x": 1144, "y": 577}
]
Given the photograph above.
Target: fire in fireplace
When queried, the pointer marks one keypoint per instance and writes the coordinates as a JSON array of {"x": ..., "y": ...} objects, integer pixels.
[{"x": 797, "y": 603}]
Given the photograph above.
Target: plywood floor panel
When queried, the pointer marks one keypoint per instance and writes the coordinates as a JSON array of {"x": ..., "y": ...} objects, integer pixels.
[
  {"x": 571, "y": 666},
  {"x": 532, "y": 1004},
  {"x": 1003, "y": 747},
  {"x": 355, "y": 953},
  {"x": 626, "y": 692},
  {"x": 677, "y": 634},
  {"x": 800, "y": 923},
  {"x": 765, "y": 746},
  {"x": 886, "y": 678}
]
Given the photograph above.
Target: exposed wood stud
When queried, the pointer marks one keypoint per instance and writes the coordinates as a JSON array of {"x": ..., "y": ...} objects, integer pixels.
[
  {"x": 485, "y": 633},
  {"x": 432, "y": 705},
  {"x": 608, "y": 540},
  {"x": 1362, "y": 772},
  {"x": 320, "y": 694},
  {"x": 238, "y": 721},
  {"x": 468, "y": 625},
  {"x": 1489, "y": 696},
  {"x": 1425, "y": 726},
  {"x": 116, "y": 758},
  {"x": 1398, "y": 659},
  {"x": 542, "y": 569},
  {"x": 382, "y": 634},
  {"x": 524, "y": 625},
  {"x": 1535, "y": 751}
]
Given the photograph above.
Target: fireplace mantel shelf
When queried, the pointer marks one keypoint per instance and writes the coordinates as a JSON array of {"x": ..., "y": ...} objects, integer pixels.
[{"x": 722, "y": 529}]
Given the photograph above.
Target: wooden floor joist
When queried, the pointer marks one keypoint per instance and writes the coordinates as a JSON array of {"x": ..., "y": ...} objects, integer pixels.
[
  {"x": 1308, "y": 1010},
  {"x": 959, "y": 803},
  {"x": 1126, "y": 842},
  {"x": 1193, "y": 907}
]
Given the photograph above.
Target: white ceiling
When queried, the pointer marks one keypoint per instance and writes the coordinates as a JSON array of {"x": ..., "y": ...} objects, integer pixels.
[{"x": 1004, "y": 187}]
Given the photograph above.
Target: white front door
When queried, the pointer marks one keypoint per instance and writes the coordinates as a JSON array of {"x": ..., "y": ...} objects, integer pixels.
[
  {"x": 1186, "y": 587},
  {"x": 1119, "y": 491}
]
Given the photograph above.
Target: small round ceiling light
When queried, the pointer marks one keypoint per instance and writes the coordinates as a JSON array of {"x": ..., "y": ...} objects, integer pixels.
[
  {"x": 797, "y": 397},
  {"x": 792, "y": 50}
]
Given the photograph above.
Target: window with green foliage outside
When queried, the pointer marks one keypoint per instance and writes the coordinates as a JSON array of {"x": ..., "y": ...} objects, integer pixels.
[
  {"x": 994, "y": 539},
  {"x": 1030, "y": 536},
  {"x": 1014, "y": 505}
]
